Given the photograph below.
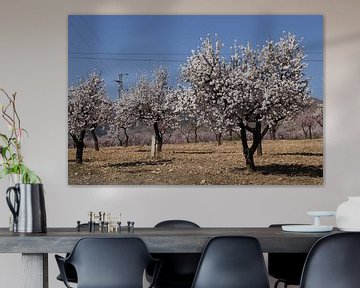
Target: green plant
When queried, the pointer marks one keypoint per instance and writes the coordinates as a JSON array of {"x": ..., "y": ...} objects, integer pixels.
[{"x": 11, "y": 159}]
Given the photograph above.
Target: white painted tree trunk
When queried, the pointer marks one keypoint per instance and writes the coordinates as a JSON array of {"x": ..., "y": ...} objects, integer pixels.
[{"x": 154, "y": 150}]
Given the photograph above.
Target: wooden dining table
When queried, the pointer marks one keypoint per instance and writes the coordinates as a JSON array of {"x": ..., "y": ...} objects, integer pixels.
[{"x": 35, "y": 247}]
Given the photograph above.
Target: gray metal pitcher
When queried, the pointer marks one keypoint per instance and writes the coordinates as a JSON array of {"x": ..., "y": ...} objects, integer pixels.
[{"x": 28, "y": 207}]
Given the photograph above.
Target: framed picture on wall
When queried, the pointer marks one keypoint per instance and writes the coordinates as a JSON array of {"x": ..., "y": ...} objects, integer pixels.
[{"x": 195, "y": 99}]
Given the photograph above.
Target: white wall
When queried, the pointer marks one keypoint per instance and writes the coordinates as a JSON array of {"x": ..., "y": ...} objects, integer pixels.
[{"x": 33, "y": 62}]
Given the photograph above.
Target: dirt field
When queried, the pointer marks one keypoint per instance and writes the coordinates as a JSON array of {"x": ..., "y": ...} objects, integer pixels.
[{"x": 284, "y": 162}]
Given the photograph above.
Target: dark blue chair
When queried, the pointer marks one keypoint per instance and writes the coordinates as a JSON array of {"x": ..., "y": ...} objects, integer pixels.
[
  {"x": 333, "y": 262},
  {"x": 69, "y": 269},
  {"x": 232, "y": 262},
  {"x": 108, "y": 263},
  {"x": 178, "y": 269}
]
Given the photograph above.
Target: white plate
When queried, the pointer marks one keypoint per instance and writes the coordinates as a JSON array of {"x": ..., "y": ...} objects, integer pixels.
[
  {"x": 350, "y": 229},
  {"x": 306, "y": 228},
  {"x": 321, "y": 213}
]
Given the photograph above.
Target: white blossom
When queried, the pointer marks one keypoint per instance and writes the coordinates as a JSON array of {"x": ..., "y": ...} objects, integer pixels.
[{"x": 257, "y": 86}]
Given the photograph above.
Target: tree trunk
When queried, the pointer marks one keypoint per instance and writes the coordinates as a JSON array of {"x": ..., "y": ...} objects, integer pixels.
[
  {"x": 305, "y": 132},
  {"x": 310, "y": 132},
  {"x": 259, "y": 151},
  {"x": 153, "y": 153},
  {"x": 257, "y": 137},
  {"x": 96, "y": 141},
  {"x": 273, "y": 133},
  {"x": 158, "y": 137},
  {"x": 126, "y": 143},
  {"x": 257, "y": 131},
  {"x": 248, "y": 154},
  {"x": 218, "y": 138},
  {"x": 231, "y": 135},
  {"x": 79, "y": 144},
  {"x": 195, "y": 134},
  {"x": 249, "y": 160}
]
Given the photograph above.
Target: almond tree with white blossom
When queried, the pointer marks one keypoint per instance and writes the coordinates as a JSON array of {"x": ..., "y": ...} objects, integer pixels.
[
  {"x": 307, "y": 121},
  {"x": 189, "y": 115},
  {"x": 253, "y": 87},
  {"x": 273, "y": 88},
  {"x": 207, "y": 72},
  {"x": 152, "y": 104},
  {"x": 319, "y": 114},
  {"x": 282, "y": 66},
  {"x": 310, "y": 118},
  {"x": 245, "y": 98},
  {"x": 88, "y": 108},
  {"x": 124, "y": 119}
]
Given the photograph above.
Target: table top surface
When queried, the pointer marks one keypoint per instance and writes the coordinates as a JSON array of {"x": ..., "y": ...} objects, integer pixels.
[{"x": 158, "y": 240}]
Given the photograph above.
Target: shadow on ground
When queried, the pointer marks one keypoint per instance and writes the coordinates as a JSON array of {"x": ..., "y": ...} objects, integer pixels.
[
  {"x": 194, "y": 152},
  {"x": 140, "y": 163},
  {"x": 300, "y": 154},
  {"x": 289, "y": 170}
]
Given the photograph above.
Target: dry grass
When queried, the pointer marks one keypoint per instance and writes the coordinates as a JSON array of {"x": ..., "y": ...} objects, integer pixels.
[{"x": 284, "y": 162}]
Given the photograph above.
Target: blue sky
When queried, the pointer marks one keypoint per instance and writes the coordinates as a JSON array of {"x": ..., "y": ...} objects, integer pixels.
[{"x": 132, "y": 45}]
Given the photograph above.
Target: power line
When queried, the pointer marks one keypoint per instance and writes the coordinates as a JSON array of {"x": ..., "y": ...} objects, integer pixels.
[
  {"x": 127, "y": 59},
  {"x": 156, "y": 54},
  {"x": 132, "y": 54},
  {"x": 150, "y": 59}
]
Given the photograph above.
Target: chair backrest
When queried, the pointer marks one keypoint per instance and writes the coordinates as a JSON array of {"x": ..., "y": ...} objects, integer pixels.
[
  {"x": 232, "y": 262},
  {"x": 178, "y": 269},
  {"x": 110, "y": 262},
  {"x": 333, "y": 262},
  {"x": 176, "y": 224}
]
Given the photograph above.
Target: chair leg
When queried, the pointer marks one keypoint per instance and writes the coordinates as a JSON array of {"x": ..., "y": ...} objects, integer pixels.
[{"x": 279, "y": 281}]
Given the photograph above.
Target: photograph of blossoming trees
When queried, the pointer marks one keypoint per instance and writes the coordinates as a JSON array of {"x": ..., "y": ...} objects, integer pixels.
[{"x": 151, "y": 101}]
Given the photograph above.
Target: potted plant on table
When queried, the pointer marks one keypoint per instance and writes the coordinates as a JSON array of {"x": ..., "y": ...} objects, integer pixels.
[
  {"x": 26, "y": 198},
  {"x": 11, "y": 159}
]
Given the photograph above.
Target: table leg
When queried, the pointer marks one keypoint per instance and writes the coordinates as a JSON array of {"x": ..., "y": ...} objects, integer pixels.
[{"x": 35, "y": 270}]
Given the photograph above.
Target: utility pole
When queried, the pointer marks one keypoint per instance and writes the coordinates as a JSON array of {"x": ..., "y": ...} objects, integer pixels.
[{"x": 120, "y": 83}]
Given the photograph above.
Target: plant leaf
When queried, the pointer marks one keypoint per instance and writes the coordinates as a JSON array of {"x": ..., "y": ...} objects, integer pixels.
[{"x": 3, "y": 173}]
